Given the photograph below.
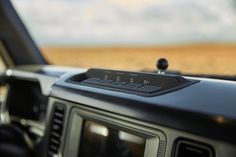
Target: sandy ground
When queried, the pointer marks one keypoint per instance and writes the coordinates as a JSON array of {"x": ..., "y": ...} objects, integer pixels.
[{"x": 204, "y": 59}]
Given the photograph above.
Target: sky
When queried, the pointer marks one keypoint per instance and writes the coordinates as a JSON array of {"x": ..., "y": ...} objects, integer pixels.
[{"x": 128, "y": 22}]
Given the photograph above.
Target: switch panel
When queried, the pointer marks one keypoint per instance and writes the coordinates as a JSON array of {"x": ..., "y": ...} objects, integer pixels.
[{"x": 145, "y": 84}]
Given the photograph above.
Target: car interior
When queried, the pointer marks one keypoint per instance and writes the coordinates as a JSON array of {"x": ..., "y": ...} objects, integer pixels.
[{"x": 53, "y": 111}]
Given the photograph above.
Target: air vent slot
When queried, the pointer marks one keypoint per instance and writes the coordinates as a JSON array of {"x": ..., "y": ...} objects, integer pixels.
[
  {"x": 56, "y": 129},
  {"x": 189, "y": 148}
]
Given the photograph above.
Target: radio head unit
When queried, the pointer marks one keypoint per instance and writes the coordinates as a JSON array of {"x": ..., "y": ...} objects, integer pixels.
[
  {"x": 99, "y": 140},
  {"x": 95, "y": 135}
]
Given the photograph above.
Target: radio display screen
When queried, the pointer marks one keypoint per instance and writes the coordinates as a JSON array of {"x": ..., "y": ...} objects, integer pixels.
[{"x": 102, "y": 141}]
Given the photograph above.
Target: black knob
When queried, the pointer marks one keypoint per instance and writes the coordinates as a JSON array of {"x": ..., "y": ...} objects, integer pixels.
[{"x": 162, "y": 64}]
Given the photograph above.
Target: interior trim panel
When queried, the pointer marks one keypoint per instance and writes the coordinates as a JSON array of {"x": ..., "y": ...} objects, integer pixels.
[{"x": 78, "y": 113}]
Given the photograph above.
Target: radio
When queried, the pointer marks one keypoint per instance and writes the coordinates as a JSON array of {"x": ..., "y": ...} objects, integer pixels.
[{"x": 95, "y": 135}]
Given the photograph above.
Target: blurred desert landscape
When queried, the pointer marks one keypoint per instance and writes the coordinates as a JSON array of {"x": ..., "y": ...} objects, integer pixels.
[{"x": 197, "y": 58}]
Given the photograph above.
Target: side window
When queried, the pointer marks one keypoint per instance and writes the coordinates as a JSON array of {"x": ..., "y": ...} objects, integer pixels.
[
  {"x": 2, "y": 65},
  {"x": 3, "y": 88}
]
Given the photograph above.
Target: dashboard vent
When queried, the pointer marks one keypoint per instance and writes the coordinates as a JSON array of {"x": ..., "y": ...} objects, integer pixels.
[
  {"x": 189, "y": 148},
  {"x": 56, "y": 129}
]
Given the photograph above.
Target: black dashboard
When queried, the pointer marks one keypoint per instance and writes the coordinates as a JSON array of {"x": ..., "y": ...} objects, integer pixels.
[{"x": 107, "y": 113}]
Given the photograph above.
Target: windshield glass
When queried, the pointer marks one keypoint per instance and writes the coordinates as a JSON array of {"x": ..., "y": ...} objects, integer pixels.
[{"x": 196, "y": 36}]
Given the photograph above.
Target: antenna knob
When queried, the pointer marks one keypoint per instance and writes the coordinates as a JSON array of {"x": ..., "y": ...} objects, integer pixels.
[{"x": 162, "y": 65}]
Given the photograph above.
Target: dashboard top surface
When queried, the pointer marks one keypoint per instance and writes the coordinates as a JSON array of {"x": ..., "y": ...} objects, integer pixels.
[
  {"x": 208, "y": 96},
  {"x": 206, "y": 108}
]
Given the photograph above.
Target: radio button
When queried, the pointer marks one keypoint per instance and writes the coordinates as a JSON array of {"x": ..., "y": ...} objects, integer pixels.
[
  {"x": 132, "y": 85},
  {"x": 118, "y": 83},
  {"x": 149, "y": 89}
]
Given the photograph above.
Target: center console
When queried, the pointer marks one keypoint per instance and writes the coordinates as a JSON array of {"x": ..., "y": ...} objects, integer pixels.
[{"x": 89, "y": 132}]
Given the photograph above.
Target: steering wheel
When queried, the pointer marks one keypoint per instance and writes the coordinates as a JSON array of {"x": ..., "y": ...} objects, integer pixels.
[{"x": 14, "y": 142}]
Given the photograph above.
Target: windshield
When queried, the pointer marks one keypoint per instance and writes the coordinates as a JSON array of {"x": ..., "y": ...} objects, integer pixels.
[{"x": 196, "y": 36}]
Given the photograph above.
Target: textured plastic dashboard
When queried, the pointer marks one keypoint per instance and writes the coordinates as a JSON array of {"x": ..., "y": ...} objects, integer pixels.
[
  {"x": 206, "y": 108},
  {"x": 203, "y": 111}
]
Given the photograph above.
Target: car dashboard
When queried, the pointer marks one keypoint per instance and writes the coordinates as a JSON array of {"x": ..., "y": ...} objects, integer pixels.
[{"x": 76, "y": 112}]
